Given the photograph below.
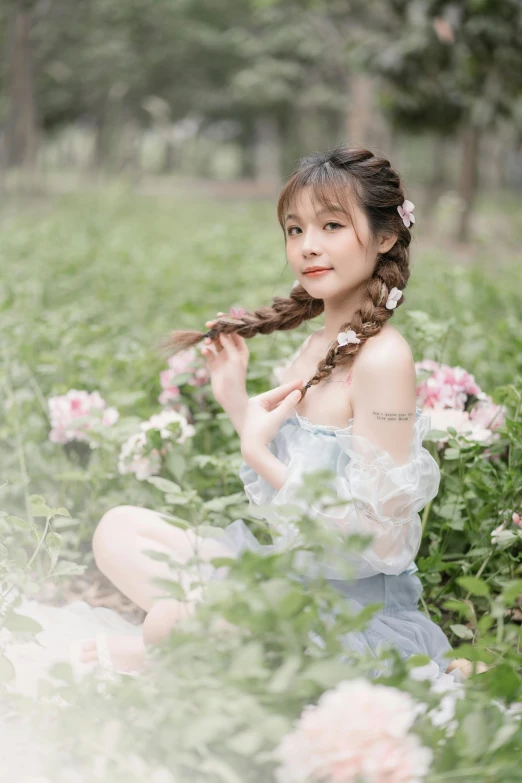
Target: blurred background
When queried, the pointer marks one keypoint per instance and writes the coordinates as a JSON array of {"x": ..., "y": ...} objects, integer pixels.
[
  {"x": 143, "y": 145},
  {"x": 221, "y": 97}
]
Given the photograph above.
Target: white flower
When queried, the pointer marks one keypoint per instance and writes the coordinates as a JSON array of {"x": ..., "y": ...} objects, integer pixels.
[
  {"x": 393, "y": 297},
  {"x": 406, "y": 212},
  {"x": 343, "y": 338}
]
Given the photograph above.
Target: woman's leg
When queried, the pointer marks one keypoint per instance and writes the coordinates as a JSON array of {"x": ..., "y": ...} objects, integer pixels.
[{"x": 120, "y": 541}]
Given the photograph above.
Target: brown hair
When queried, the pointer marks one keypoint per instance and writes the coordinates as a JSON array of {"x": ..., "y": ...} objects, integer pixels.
[{"x": 339, "y": 176}]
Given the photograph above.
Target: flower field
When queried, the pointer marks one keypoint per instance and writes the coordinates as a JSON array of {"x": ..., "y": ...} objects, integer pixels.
[{"x": 93, "y": 418}]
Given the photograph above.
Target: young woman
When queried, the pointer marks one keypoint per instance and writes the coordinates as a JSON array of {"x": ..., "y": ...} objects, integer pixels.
[{"x": 345, "y": 402}]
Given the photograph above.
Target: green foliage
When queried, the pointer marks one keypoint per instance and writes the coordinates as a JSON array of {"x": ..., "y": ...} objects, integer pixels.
[{"x": 104, "y": 278}]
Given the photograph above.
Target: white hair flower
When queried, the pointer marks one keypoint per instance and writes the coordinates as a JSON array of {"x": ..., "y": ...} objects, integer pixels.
[
  {"x": 406, "y": 212},
  {"x": 343, "y": 338},
  {"x": 393, "y": 297}
]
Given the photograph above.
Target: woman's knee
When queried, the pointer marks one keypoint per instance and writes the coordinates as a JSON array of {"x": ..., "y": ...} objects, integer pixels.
[{"x": 108, "y": 535}]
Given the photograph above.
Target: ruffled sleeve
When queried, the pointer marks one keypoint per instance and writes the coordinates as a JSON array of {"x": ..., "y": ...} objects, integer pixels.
[
  {"x": 257, "y": 489},
  {"x": 384, "y": 497}
]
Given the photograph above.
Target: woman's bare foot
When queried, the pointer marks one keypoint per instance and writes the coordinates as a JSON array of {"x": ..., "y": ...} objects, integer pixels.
[{"x": 127, "y": 652}]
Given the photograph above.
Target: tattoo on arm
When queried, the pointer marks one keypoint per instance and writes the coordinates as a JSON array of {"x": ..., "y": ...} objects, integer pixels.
[{"x": 380, "y": 416}]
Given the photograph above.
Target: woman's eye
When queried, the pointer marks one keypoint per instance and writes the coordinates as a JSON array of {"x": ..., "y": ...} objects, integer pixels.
[{"x": 330, "y": 223}]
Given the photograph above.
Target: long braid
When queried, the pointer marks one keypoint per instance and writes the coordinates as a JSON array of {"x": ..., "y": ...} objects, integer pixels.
[
  {"x": 371, "y": 316},
  {"x": 285, "y": 313}
]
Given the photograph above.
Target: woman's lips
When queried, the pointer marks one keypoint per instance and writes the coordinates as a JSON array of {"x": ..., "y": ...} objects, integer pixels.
[{"x": 317, "y": 272}]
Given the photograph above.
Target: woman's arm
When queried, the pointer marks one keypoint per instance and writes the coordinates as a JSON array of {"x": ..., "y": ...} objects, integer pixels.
[
  {"x": 265, "y": 465},
  {"x": 384, "y": 396},
  {"x": 235, "y": 407}
]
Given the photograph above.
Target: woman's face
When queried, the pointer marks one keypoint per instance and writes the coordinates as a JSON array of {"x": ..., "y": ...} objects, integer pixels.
[{"x": 327, "y": 239}]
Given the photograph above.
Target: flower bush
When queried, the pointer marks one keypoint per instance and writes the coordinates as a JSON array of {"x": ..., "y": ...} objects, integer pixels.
[
  {"x": 453, "y": 399},
  {"x": 78, "y": 416},
  {"x": 183, "y": 364},
  {"x": 144, "y": 451},
  {"x": 215, "y": 704}
]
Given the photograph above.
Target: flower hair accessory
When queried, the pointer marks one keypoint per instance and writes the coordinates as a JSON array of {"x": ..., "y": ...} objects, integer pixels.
[
  {"x": 343, "y": 338},
  {"x": 406, "y": 212},
  {"x": 393, "y": 297}
]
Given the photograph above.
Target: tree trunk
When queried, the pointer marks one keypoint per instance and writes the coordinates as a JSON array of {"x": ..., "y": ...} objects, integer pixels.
[
  {"x": 468, "y": 178},
  {"x": 267, "y": 151},
  {"x": 438, "y": 179},
  {"x": 21, "y": 132},
  {"x": 359, "y": 110}
]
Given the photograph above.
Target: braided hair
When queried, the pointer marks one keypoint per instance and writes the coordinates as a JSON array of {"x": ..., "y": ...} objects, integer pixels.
[{"x": 335, "y": 177}]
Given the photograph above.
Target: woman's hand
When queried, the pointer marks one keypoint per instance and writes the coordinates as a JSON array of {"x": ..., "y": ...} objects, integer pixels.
[
  {"x": 227, "y": 361},
  {"x": 266, "y": 412}
]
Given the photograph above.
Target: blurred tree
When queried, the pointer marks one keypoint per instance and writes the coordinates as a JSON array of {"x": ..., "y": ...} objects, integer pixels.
[
  {"x": 21, "y": 124},
  {"x": 449, "y": 67}
]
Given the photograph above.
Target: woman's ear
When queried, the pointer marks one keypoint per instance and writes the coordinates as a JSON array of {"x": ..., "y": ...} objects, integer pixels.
[{"x": 386, "y": 243}]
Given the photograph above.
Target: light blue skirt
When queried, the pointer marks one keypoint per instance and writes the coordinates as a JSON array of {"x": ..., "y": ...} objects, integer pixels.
[{"x": 399, "y": 624}]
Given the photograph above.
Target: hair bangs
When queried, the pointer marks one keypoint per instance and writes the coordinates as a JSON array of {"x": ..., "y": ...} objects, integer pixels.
[{"x": 329, "y": 188}]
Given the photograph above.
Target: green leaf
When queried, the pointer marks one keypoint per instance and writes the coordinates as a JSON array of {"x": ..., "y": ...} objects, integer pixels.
[
  {"x": 36, "y": 499},
  {"x": 327, "y": 673},
  {"x": 248, "y": 662},
  {"x": 451, "y": 454},
  {"x": 40, "y": 510},
  {"x": 246, "y": 743},
  {"x": 7, "y": 670},
  {"x": 176, "y": 463},
  {"x": 475, "y": 735},
  {"x": 485, "y": 623},
  {"x": 173, "y": 589},
  {"x": 24, "y": 524},
  {"x": 292, "y": 603},
  {"x": 474, "y": 585},
  {"x": 164, "y": 484},
  {"x": 462, "y": 631},
  {"x": 62, "y": 512},
  {"x": 511, "y": 591},
  {"x": 66, "y": 568},
  {"x": 19, "y": 623},
  {"x": 503, "y": 735},
  {"x": 284, "y": 676},
  {"x": 62, "y": 671},
  {"x": 418, "y": 660}
]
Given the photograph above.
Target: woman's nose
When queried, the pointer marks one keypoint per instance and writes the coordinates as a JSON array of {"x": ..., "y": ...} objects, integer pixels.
[{"x": 311, "y": 242}]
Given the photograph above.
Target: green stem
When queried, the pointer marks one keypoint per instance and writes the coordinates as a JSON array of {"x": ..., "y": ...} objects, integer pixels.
[
  {"x": 425, "y": 518},
  {"x": 459, "y": 773},
  {"x": 510, "y": 451},
  {"x": 40, "y": 542},
  {"x": 479, "y": 572}
]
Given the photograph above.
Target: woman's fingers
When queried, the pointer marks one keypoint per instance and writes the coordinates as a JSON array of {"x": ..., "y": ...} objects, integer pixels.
[{"x": 274, "y": 396}]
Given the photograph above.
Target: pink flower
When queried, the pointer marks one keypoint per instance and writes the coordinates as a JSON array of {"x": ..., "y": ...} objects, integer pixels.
[
  {"x": 517, "y": 519},
  {"x": 76, "y": 414},
  {"x": 488, "y": 415},
  {"x": 180, "y": 363},
  {"x": 443, "y": 418},
  {"x": 357, "y": 731},
  {"x": 239, "y": 313},
  {"x": 406, "y": 212},
  {"x": 446, "y": 387}
]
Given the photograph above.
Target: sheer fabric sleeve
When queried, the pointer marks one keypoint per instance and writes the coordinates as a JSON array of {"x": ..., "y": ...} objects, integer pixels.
[
  {"x": 385, "y": 497},
  {"x": 257, "y": 489}
]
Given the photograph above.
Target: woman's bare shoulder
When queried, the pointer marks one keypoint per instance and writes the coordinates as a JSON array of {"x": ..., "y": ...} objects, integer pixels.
[{"x": 388, "y": 344}]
